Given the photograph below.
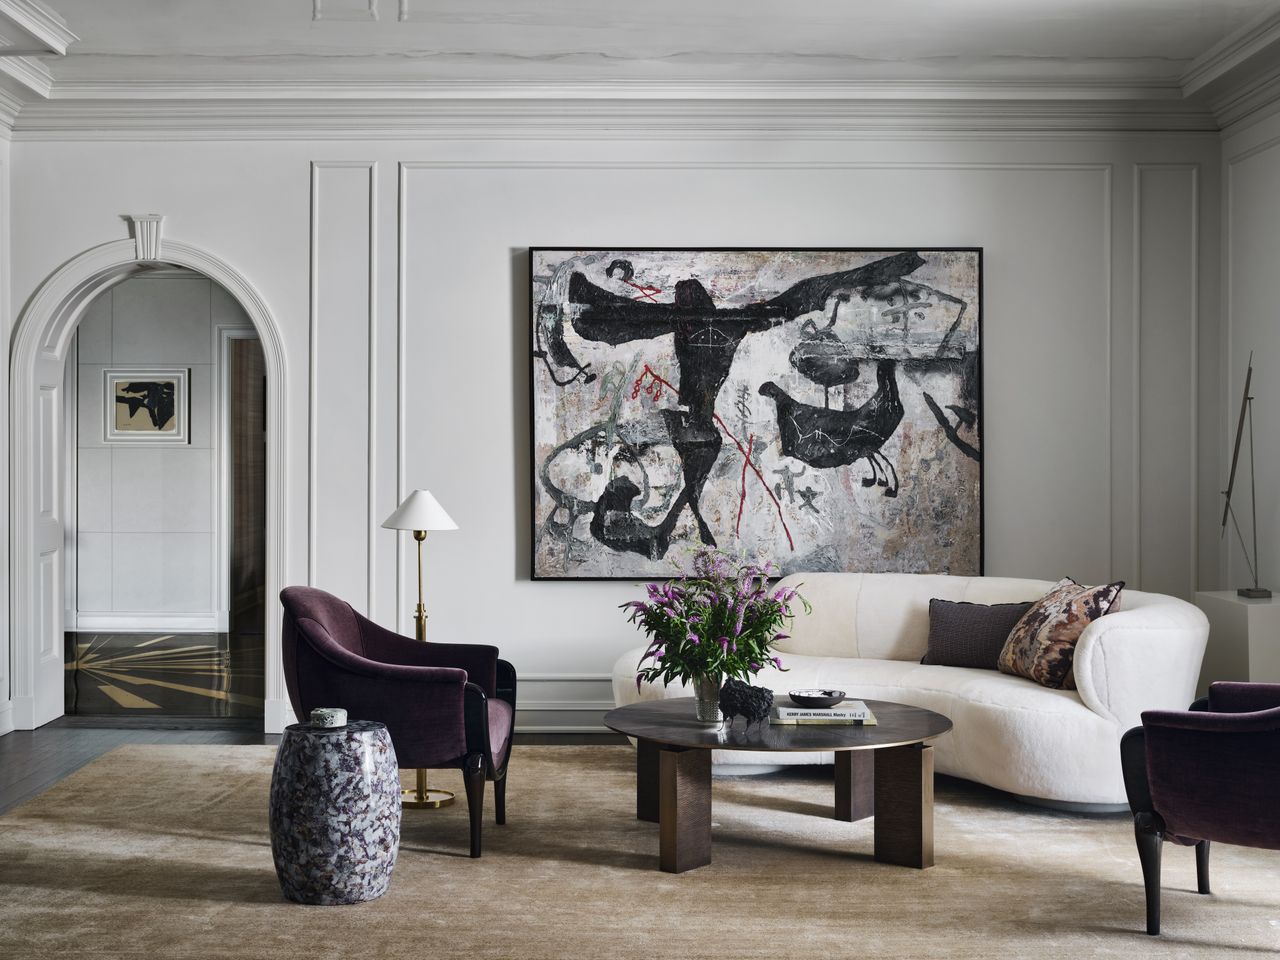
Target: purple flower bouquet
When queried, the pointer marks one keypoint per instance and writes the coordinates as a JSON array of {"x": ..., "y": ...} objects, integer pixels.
[{"x": 720, "y": 622}]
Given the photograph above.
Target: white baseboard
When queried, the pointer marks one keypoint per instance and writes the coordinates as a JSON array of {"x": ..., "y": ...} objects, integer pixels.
[
  {"x": 148, "y": 623},
  {"x": 276, "y": 715},
  {"x": 23, "y": 714},
  {"x": 6, "y": 718},
  {"x": 564, "y": 703}
]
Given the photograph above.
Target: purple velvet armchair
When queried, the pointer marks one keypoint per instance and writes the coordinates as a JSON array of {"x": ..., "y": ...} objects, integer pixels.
[
  {"x": 1210, "y": 773},
  {"x": 444, "y": 704}
]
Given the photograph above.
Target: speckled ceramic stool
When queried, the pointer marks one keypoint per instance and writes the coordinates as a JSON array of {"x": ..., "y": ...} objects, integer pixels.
[{"x": 335, "y": 812}]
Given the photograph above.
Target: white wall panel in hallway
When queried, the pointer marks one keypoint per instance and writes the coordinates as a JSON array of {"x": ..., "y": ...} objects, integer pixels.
[{"x": 145, "y": 544}]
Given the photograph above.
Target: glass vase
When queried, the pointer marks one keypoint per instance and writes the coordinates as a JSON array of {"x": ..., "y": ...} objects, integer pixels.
[{"x": 706, "y": 692}]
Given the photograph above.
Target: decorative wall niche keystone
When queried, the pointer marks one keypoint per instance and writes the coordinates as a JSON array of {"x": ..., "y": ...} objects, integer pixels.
[{"x": 146, "y": 234}]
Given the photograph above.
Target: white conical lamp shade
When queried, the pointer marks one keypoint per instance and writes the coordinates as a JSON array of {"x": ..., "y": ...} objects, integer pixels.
[{"x": 420, "y": 511}]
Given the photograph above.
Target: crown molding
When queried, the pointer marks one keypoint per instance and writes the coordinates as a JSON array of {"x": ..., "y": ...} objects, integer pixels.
[
  {"x": 328, "y": 89},
  {"x": 613, "y": 119},
  {"x": 39, "y": 23},
  {"x": 1231, "y": 54},
  {"x": 1249, "y": 103},
  {"x": 26, "y": 76}
]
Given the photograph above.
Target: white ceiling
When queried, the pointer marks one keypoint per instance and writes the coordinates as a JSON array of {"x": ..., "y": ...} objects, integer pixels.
[
  {"x": 1092, "y": 42},
  {"x": 305, "y": 68}
]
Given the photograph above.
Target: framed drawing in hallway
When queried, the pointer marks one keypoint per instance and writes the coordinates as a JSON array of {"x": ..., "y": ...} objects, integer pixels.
[
  {"x": 817, "y": 408},
  {"x": 146, "y": 405}
]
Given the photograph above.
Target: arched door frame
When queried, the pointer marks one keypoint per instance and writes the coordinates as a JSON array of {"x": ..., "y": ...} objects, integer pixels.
[{"x": 42, "y": 337}]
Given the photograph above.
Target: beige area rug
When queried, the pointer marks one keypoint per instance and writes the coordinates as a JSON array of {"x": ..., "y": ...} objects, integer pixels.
[{"x": 162, "y": 851}]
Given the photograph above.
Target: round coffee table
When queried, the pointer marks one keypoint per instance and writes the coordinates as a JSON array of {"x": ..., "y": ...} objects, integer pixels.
[{"x": 884, "y": 770}]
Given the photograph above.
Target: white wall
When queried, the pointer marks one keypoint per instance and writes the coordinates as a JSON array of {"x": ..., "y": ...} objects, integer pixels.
[
  {"x": 7, "y": 302},
  {"x": 397, "y": 272},
  {"x": 146, "y": 545},
  {"x": 1251, "y": 238}
]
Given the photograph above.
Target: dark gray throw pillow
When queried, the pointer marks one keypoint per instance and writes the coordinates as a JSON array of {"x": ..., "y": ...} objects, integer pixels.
[{"x": 970, "y": 634}]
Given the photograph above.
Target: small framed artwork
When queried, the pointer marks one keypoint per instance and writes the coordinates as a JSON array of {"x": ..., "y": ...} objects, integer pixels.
[{"x": 146, "y": 405}]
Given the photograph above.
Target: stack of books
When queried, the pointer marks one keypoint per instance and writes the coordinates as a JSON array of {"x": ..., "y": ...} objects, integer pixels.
[{"x": 849, "y": 713}]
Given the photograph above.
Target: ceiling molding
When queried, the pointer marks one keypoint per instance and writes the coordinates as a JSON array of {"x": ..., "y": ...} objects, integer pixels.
[
  {"x": 1249, "y": 103},
  {"x": 39, "y": 30},
  {"x": 1079, "y": 89},
  {"x": 1232, "y": 83},
  {"x": 1231, "y": 54},
  {"x": 614, "y": 119},
  {"x": 26, "y": 77}
]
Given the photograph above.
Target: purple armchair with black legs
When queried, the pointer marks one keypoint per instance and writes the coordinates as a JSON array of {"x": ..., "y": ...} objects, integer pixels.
[
  {"x": 444, "y": 704},
  {"x": 1209, "y": 773}
]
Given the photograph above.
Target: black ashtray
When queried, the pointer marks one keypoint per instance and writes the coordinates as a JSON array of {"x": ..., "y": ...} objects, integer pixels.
[{"x": 816, "y": 699}]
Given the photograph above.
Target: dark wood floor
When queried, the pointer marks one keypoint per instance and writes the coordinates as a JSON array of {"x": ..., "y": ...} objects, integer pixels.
[{"x": 32, "y": 761}]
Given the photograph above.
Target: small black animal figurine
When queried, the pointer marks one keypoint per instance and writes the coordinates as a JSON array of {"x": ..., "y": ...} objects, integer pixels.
[{"x": 738, "y": 699}]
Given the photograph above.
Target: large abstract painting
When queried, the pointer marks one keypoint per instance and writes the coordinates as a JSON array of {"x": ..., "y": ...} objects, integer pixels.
[{"x": 818, "y": 408}]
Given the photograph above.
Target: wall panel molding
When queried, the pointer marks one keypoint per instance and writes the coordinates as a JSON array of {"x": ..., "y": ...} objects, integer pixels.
[
  {"x": 1231, "y": 568},
  {"x": 1166, "y": 225},
  {"x": 344, "y": 255}
]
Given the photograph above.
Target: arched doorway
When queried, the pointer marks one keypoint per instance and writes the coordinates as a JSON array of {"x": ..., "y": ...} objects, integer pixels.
[{"x": 38, "y": 354}]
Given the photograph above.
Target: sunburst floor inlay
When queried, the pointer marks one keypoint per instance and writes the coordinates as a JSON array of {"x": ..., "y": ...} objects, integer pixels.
[{"x": 207, "y": 675}]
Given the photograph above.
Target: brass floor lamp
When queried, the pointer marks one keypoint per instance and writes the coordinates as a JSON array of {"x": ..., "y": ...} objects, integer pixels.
[{"x": 419, "y": 513}]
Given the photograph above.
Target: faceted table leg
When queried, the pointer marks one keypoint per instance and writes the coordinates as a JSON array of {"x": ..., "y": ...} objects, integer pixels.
[
  {"x": 684, "y": 822},
  {"x": 904, "y": 805},
  {"x": 855, "y": 784},
  {"x": 647, "y": 780}
]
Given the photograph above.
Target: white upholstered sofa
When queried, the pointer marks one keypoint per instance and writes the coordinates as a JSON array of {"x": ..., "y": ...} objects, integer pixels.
[{"x": 866, "y": 636}]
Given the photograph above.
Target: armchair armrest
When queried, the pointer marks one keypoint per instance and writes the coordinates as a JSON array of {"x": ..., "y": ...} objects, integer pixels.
[
  {"x": 1203, "y": 721},
  {"x": 1226, "y": 697},
  {"x": 506, "y": 683},
  {"x": 478, "y": 660},
  {"x": 1144, "y": 658},
  {"x": 376, "y": 669}
]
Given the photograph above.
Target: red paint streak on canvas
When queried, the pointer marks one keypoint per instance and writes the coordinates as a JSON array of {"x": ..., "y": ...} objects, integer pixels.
[
  {"x": 742, "y": 488},
  {"x": 646, "y": 292}
]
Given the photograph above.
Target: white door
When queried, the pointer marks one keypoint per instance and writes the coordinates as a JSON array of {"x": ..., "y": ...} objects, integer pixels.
[{"x": 43, "y": 553}]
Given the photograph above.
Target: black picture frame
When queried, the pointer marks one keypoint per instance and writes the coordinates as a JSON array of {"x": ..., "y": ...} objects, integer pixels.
[{"x": 534, "y": 358}]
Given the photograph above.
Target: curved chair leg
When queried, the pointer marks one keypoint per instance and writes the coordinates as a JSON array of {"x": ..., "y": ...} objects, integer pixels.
[
  {"x": 500, "y": 799},
  {"x": 1202, "y": 866},
  {"x": 1149, "y": 844},
  {"x": 473, "y": 777}
]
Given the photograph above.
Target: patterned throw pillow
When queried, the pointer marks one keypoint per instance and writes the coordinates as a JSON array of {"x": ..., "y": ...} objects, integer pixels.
[
  {"x": 1042, "y": 645},
  {"x": 970, "y": 634}
]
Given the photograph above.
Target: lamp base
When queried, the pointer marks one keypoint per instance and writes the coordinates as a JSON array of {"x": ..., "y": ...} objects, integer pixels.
[
  {"x": 423, "y": 797},
  {"x": 428, "y": 799},
  {"x": 1254, "y": 593}
]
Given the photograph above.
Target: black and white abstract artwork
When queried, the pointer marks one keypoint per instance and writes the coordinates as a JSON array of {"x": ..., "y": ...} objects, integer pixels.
[
  {"x": 146, "y": 405},
  {"x": 818, "y": 408}
]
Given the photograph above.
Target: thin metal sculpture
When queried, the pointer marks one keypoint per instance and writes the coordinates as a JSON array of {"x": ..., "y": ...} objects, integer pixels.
[{"x": 1255, "y": 592}]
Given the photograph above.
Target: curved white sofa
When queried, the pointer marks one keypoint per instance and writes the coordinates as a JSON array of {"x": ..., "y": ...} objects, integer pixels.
[{"x": 868, "y": 631}]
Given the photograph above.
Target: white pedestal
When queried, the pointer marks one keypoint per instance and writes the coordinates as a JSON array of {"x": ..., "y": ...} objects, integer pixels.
[{"x": 1244, "y": 638}]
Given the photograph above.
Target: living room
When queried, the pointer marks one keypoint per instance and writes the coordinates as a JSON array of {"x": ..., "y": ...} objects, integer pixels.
[{"x": 613, "y": 353}]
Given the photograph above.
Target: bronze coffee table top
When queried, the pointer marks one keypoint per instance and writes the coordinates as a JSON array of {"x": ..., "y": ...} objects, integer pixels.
[{"x": 672, "y": 723}]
